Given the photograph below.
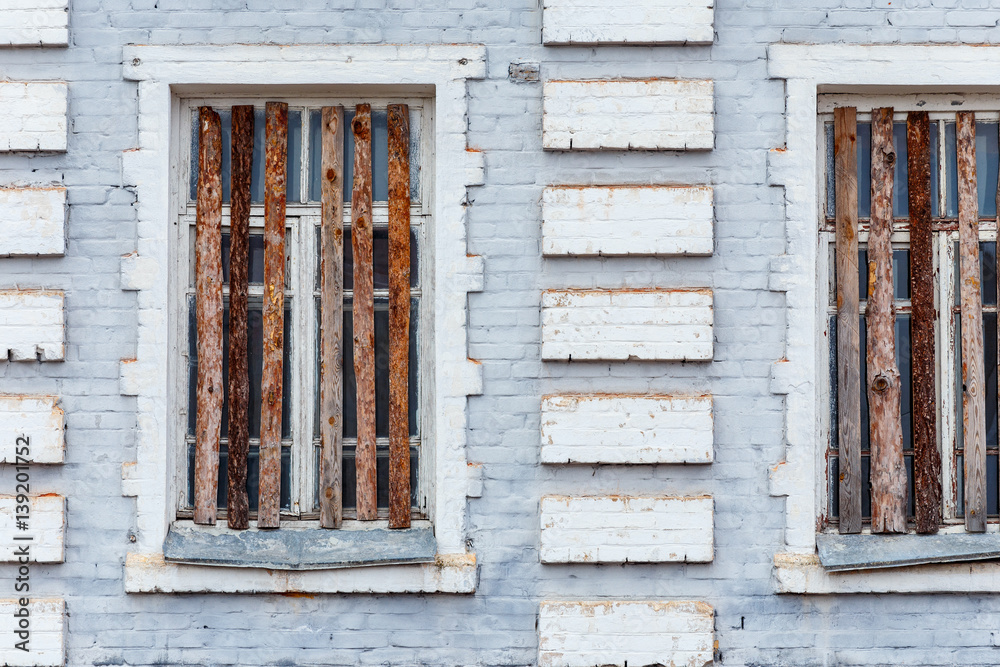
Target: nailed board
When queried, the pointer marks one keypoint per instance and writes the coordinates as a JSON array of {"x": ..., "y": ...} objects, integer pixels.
[
  {"x": 37, "y": 418},
  {"x": 627, "y": 220},
  {"x": 627, "y": 324},
  {"x": 34, "y": 114},
  {"x": 620, "y": 633},
  {"x": 635, "y": 22},
  {"x": 627, "y": 529},
  {"x": 46, "y": 644},
  {"x": 628, "y": 114},
  {"x": 624, "y": 429},
  {"x": 46, "y": 526},
  {"x": 32, "y": 221},
  {"x": 32, "y": 325}
]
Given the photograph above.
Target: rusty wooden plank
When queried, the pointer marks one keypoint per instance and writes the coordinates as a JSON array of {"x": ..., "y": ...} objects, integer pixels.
[
  {"x": 926, "y": 458},
  {"x": 399, "y": 315},
  {"x": 275, "y": 146},
  {"x": 848, "y": 336},
  {"x": 208, "y": 286},
  {"x": 888, "y": 469},
  {"x": 331, "y": 425},
  {"x": 237, "y": 504},
  {"x": 973, "y": 380},
  {"x": 364, "y": 312}
]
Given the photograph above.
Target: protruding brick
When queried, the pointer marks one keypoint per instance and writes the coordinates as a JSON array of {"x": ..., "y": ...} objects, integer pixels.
[
  {"x": 32, "y": 325},
  {"x": 44, "y": 524},
  {"x": 32, "y": 221},
  {"x": 34, "y": 23},
  {"x": 37, "y": 419},
  {"x": 34, "y": 116},
  {"x": 635, "y": 22},
  {"x": 46, "y": 644}
]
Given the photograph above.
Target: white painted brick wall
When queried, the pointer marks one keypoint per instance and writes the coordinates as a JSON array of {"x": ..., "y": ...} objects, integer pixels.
[
  {"x": 628, "y": 114},
  {"x": 32, "y": 221},
  {"x": 622, "y": 633},
  {"x": 47, "y": 627},
  {"x": 627, "y": 324},
  {"x": 34, "y": 23},
  {"x": 46, "y": 527},
  {"x": 40, "y": 420},
  {"x": 627, "y": 529},
  {"x": 32, "y": 325},
  {"x": 627, "y": 220},
  {"x": 34, "y": 116},
  {"x": 615, "y": 428},
  {"x": 630, "y": 22}
]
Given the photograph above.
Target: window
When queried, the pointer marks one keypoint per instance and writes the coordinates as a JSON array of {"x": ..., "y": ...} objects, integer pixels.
[{"x": 300, "y": 418}]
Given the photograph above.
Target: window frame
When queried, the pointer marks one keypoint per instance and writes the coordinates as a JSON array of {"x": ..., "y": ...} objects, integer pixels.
[{"x": 165, "y": 74}]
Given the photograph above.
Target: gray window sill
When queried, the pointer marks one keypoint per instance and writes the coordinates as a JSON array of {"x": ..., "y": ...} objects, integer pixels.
[
  {"x": 840, "y": 553},
  {"x": 298, "y": 547}
]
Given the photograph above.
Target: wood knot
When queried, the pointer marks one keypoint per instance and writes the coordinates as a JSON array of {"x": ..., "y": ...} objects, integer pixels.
[
  {"x": 330, "y": 174},
  {"x": 880, "y": 385},
  {"x": 328, "y": 493},
  {"x": 890, "y": 157}
]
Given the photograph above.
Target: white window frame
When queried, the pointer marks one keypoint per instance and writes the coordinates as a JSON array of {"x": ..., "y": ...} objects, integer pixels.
[
  {"x": 165, "y": 74},
  {"x": 809, "y": 70}
]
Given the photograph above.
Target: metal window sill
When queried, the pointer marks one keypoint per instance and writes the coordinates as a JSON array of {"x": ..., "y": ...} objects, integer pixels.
[{"x": 840, "y": 553}]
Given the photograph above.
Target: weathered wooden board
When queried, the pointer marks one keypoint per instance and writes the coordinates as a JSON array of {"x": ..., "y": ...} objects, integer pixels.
[
  {"x": 41, "y": 529},
  {"x": 237, "y": 503},
  {"x": 364, "y": 313},
  {"x": 331, "y": 425},
  {"x": 973, "y": 375},
  {"x": 208, "y": 286},
  {"x": 926, "y": 458},
  {"x": 276, "y": 154},
  {"x": 39, "y": 421},
  {"x": 864, "y": 552},
  {"x": 848, "y": 317}
]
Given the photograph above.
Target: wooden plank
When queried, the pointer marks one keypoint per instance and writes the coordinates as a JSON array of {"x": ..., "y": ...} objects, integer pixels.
[
  {"x": 888, "y": 469},
  {"x": 276, "y": 144},
  {"x": 364, "y": 312},
  {"x": 926, "y": 458},
  {"x": 331, "y": 425},
  {"x": 208, "y": 287},
  {"x": 399, "y": 315},
  {"x": 237, "y": 504},
  {"x": 848, "y": 336},
  {"x": 973, "y": 380}
]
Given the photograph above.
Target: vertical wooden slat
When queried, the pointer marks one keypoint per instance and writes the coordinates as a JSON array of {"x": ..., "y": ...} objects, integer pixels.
[
  {"x": 364, "y": 312},
  {"x": 973, "y": 381},
  {"x": 888, "y": 470},
  {"x": 926, "y": 458},
  {"x": 208, "y": 286},
  {"x": 237, "y": 506},
  {"x": 331, "y": 513},
  {"x": 276, "y": 143},
  {"x": 399, "y": 315},
  {"x": 848, "y": 337}
]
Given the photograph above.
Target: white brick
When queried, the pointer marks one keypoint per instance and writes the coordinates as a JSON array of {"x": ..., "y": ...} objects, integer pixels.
[
  {"x": 623, "y": 529},
  {"x": 32, "y": 325},
  {"x": 628, "y": 114},
  {"x": 626, "y": 220},
  {"x": 46, "y": 638},
  {"x": 34, "y": 114},
  {"x": 36, "y": 418},
  {"x": 46, "y": 526},
  {"x": 34, "y": 23},
  {"x": 621, "y": 633},
  {"x": 627, "y": 324},
  {"x": 615, "y": 428},
  {"x": 631, "y": 22},
  {"x": 32, "y": 221}
]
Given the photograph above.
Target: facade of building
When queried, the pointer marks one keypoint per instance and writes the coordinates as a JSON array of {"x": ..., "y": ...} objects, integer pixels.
[{"x": 626, "y": 433}]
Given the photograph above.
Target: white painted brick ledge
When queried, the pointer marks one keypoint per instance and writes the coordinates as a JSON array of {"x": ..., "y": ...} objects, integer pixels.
[
  {"x": 34, "y": 116},
  {"x": 47, "y": 645},
  {"x": 46, "y": 528},
  {"x": 638, "y": 22},
  {"x": 32, "y": 221},
  {"x": 37, "y": 418},
  {"x": 32, "y": 325}
]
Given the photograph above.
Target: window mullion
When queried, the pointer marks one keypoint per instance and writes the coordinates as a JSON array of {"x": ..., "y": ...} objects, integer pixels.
[{"x": 303, "y": 456}]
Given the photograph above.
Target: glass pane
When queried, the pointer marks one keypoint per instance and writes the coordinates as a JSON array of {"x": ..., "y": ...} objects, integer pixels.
[
  {"x": 901, "y": 274},
  {"x": 960, "y": 486},
  {"x": 380, "y": 259},
  {"x": 986, "y": 168},
  {"x": 935, "y": 174},
  {"x": 991, "y": 485},
  {"x": 988, "y": 272},
  {"x": 834, "y": 492},
  {"x": 293, "y": 165},
  {"x": 350, "y": 480},
  {"x": 866, "y": 486},
  {"x": 256, "y": 259},
  {"x": 900, "y": 185},
  {"x": 257, "y": 169},
  {"x": 253, "y": 478},
  {"x": 990, "y": 359},
  {"x": 414, "y": 155},
  {"x": 863, "y": 272},
  {"x": 380, "y": 154},
  {"x": 951, "y": 165},
  {"x": 863, "y": 335},
  {"x": 864, "y": 169},
  {"x": 831, "y": 172},
  {"x": 905, "y": 377},
  {"x": 911, "y": 507},
  {"x": 315, "y": 154}
]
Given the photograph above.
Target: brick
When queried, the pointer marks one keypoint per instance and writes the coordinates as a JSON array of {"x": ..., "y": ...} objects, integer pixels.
[
  {"x": 46, "y": 527},
  {"x": 37, "y": 418},
  {"x": 32, "y": 221},
  {"x": 624, "y": 529},
  {"x": 627, "y": 324},
  {"x": 47, "y": 627},
  {"x": 622, "y": 429},
  {"x": 636, "y": 22},
  {"x": 621, "y": 632},
  {"x": 628, "y": 114},
  {"x": 34, "y": 23},
  {"x": 625, "y": 220},
  {"x": 32, "y": 325},
  {"x": 34, "y": 114}
]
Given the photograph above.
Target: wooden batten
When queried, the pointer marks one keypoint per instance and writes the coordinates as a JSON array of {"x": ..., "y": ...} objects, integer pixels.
[
  {"x": 276, "y": 143},
  {"x": 848, "y": 336},
  {"x": 208, "y": 287},
  {"x": 926, "y": 458},
  {"x": 237, "y": 507},
  {"x": 332, "y": 326},
  {"x": 364, "y": 313},
  {"x": 399, "y": 315}
]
